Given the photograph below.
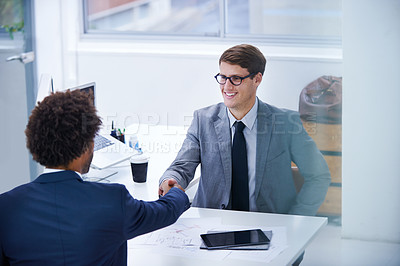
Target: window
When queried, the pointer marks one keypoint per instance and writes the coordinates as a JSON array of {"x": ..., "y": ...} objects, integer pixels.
[
  {"x": 293, "y": 21},
  {"x": 11, "y": 18}
]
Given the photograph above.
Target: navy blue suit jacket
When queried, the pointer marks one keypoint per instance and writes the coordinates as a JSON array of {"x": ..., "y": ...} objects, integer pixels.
[{"x": 59, "y": 219}]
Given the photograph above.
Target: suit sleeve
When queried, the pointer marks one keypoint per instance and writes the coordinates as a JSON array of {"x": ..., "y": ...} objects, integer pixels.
[
  {"x": 2, "y": 257},
  {"x": 312, "y": 167},
  {"x": 141, "y": 217},
  {"x": 184, "y": 166}
]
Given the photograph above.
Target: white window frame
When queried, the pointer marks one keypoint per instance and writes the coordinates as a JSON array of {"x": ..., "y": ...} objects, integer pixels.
[{"x": 223, "y": 37}]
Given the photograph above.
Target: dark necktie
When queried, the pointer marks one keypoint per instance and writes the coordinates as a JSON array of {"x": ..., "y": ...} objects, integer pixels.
[{"x": 240, "y": 183}]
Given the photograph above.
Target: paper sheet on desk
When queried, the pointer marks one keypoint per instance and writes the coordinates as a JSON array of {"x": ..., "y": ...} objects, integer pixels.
[
  {"x": 183, "y": 239},
  {"x": 180, "y": 239}
]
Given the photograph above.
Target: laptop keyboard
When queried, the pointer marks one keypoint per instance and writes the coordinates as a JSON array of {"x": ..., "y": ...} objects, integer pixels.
[{"x": 101, "y": 142}]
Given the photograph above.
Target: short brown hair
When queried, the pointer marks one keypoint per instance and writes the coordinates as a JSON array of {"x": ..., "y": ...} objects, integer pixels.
[
  {"x": 246, "y": 56},
  {"x": 61, "y": 128}
]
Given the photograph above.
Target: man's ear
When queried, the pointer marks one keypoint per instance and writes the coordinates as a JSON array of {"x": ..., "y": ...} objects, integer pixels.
[{"x": 258, "y": 78}]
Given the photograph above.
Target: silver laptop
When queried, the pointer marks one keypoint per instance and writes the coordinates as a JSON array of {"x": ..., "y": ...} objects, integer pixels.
[{"x": 108, "y": 151}]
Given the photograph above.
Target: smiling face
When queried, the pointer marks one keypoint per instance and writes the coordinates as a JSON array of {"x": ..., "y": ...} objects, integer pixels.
[{"x": 239, "y": 99}]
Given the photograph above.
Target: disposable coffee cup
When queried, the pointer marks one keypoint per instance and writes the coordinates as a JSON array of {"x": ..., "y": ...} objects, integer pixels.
[{"x": 139, "y": 163}]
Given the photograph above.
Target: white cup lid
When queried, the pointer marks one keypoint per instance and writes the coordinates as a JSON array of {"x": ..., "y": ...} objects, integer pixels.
[{"x": 140, "y": 158}]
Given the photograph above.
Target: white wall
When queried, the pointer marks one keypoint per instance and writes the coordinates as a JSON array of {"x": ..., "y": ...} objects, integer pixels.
[
  {"x": 371, "y": 123},
  {"x": 140, "y": 85},
  {"x": 48, "y": 38}
]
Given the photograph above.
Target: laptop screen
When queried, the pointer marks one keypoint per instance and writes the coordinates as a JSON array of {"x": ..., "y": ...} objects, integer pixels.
[{"x": 89, "y": 87}]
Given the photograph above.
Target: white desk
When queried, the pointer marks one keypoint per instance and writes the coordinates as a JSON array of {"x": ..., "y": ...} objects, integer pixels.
[{"x": 300, "y": 230}]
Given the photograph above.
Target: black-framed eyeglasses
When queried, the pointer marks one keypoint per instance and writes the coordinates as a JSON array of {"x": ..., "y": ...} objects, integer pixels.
[{"x": 235, "y": 80}]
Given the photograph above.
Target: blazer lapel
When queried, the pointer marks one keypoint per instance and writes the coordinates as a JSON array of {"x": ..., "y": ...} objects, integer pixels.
[
  {"x": 222, "y": 130},
  {"x": 265, "y": 120}
]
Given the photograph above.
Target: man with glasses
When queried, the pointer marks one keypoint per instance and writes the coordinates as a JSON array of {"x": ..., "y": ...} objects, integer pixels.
[{"x": 246, "y": 148}]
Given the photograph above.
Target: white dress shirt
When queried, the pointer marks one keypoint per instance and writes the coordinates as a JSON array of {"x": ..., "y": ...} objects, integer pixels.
[{"x": 52, "y": 170}]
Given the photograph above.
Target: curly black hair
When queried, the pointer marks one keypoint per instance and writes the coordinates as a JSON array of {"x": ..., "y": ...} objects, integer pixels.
[{"x": 61, "y": 128}]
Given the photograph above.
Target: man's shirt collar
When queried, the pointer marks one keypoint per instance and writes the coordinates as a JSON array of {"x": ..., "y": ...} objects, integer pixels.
[
  {"x": 52, "y": 170},
  {"x": 249, "y": 119}
]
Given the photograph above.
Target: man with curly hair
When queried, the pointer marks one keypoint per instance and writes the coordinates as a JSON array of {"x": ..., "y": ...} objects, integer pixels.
[{"x": 59, "y": 219}]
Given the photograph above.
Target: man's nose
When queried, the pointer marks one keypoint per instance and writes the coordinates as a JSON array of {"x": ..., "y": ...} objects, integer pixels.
[{"x": 228, "y": 85}]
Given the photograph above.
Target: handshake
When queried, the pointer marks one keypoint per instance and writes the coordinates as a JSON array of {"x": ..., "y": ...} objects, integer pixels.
[{"x": 166, "y": 185}]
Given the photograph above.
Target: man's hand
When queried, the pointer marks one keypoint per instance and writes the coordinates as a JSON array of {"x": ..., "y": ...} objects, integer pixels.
[{"x": 167, "y": 185}]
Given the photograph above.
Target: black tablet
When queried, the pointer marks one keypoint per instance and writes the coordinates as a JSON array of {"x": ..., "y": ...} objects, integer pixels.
[{"x": 235, "y": 239}]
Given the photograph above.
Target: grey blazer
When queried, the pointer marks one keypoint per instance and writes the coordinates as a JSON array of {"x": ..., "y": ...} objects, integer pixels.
[{"x": 281, "y": 139}]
